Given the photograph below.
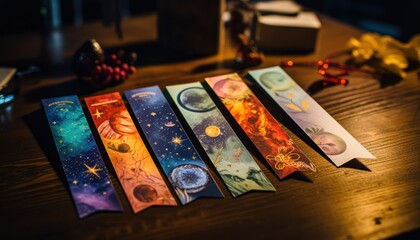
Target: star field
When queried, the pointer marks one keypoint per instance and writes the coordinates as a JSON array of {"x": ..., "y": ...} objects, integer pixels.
[
  {"x": 80, "y": 157},
  {"x": 165, "y": 134}
]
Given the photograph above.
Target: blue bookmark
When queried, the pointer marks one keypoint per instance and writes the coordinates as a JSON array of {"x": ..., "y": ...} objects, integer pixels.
[
  {"x": 86, "y": 174},
  {"x": 181, "y": 163}
]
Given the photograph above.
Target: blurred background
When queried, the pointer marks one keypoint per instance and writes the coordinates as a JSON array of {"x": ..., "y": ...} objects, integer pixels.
[
  {"x": 22, "y": 16},
  {"x": 396, "y": 18},
  {"x": 30, "y": 30}
]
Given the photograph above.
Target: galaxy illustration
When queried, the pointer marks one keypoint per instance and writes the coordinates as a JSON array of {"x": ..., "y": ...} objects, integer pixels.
[
  {"x": 262, "y": 128},
  {"x": 180, "y": 161},
  {"x": 320, "y": 126},
  {"x": 139, "y": 177},
  {"x": 86, "y": 174},
  {"x": 232, "y": 160}
]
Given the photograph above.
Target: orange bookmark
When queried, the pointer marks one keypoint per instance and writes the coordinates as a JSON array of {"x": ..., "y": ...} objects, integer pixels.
[{"x": 139, "y": 177}]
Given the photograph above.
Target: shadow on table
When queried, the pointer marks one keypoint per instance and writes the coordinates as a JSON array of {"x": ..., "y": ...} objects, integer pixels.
[
  {"x": 38, "y": 124},
  {"x": 411, "y": 235}
]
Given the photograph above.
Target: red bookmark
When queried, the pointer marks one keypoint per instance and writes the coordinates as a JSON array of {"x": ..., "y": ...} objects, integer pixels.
[{"x": 262, "y": 128}]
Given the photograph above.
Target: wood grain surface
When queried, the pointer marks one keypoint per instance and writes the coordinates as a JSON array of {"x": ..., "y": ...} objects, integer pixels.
[{"x": 364, "y": 199}]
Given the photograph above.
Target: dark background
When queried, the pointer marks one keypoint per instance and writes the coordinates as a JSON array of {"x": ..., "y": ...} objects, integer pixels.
[
  {"x": 399, "y": 19},
  {"x": 396, "y": 18}
]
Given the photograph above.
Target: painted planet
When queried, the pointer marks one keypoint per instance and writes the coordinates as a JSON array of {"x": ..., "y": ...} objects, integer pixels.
[
  {"x": 145, "y": 193},
  {"x": 122, "y": 124},
  {"x": 123, "y": 147},
  {"x": 212, "y": 131},
  {"x": 232, "y": 89},
  {"x": 329, "y": 143},
  {"x": 189, "y": 177},
  {"x": 195, "y": 99},
  {"x": 106, "y": 131},
  {"x": 275, "y": 81}
]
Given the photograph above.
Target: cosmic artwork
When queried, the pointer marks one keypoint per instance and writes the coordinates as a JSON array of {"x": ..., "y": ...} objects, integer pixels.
[
  {"x": 262, "y": 128},
  {"x": 232, "y": 160},
  {"x": 139, "y": 177},
  {"x": 87, "y": 177},
  {"x": 181, "y": 163},
  {"x": 323, "y": 129}
]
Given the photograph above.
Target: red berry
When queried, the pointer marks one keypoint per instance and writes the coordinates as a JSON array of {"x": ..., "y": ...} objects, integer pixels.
[
  {"x": 118, "y": 62},
  {"x": 114, "y": 57},
  {"x": 133, "y": 69},
  {"x": 117, "y": 78},
  {"x": 125, "y": 66},
  {"x": 110, "y": 70},
  {"x": 123, "y": 74},
  {"x": 104, "y": 66},
  {"x": 117, "y": 70}
]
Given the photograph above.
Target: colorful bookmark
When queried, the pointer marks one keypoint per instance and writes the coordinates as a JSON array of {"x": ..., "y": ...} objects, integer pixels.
[
  {"x": 88, "y": 180},
  {"x": 265, "y": 132},
  {"x": 139, "y": 177},
  {"x": 323, "y": 129},
  {"x": 232, "y": 160},
  {"x": 180, "y": 161}
]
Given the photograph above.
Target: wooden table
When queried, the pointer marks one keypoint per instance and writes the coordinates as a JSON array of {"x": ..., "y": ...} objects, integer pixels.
[{"x": 364, "y": 199}]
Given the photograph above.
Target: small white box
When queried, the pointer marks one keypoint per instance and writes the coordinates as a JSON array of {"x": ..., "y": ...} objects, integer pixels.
[{"x": 289, "y": 33}]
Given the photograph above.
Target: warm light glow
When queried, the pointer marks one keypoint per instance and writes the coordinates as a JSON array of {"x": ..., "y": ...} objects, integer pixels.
[{"x": 289, "y": 63}]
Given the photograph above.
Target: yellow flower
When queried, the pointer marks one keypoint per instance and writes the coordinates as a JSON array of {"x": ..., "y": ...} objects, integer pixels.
[
  {"x": 413, "y": 48},
  {"x": 395, "y": 57},
  {"x": 392, "y": 55}
]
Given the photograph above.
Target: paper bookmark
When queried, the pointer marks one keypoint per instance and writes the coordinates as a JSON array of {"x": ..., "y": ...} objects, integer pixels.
[
  {"x": 265, "y": 132},
  {"x": 88, "y": 180},
  {"x": 232, "y": 160},
  {"x": 181, "y": 163},
  {"x": 323, "y": 129},
  {"x": 139, "y": 177}
]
